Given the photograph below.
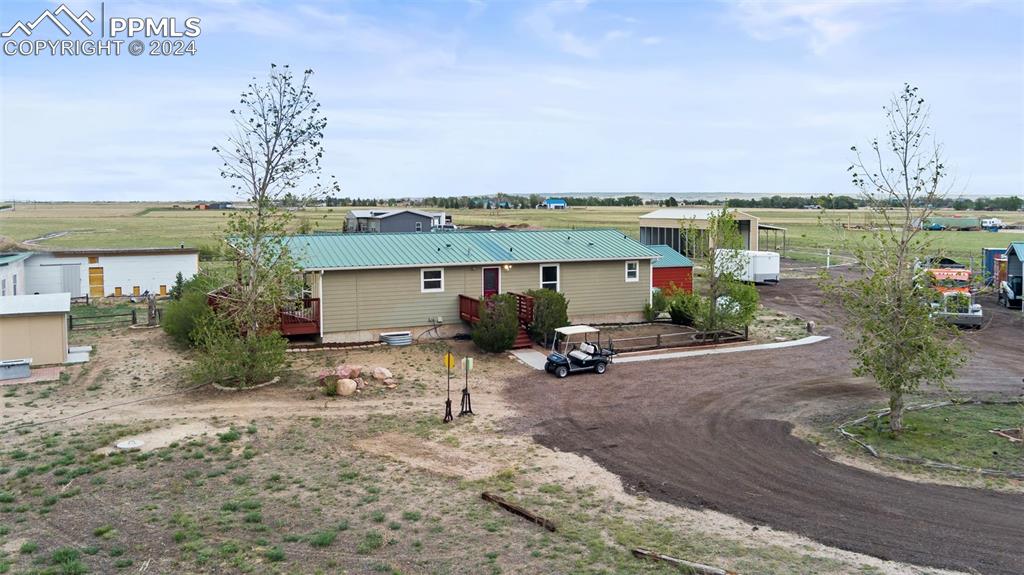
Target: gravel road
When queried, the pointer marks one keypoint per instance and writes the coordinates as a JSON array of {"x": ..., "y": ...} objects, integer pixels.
[{"x": 714, "y": 432}]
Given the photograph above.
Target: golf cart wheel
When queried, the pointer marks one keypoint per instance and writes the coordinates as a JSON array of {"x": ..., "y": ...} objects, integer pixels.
[
  {"x": 561, "y": 371},
  {"x": 601, "y": 367}
]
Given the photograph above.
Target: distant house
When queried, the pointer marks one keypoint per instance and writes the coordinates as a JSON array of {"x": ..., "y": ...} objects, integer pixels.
[
  {"x": 35, "y": 327},
  {"x": 555, "y": 204},
  {"x": 376, "y": 220},
  {"x": 369, "y": 283},
  {"x": 672, "y": 268},
  {"x": 12, "y": 273},
  {"x": 107, "y": 272}
]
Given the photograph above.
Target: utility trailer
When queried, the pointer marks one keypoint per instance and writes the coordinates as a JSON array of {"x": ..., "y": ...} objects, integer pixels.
[
  {"x": 749, "y": 266},
  {"x": 954, "y": 296}
]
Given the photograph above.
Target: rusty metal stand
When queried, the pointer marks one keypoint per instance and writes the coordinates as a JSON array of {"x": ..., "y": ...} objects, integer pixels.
[
  {"x": 467, "y": 401},
  {"x": 448, "y": 402}
]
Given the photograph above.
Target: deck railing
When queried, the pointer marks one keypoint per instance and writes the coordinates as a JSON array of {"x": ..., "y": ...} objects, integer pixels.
[
  {"x": 469, "y": 308},
  {"x": 296, "y": 317}
]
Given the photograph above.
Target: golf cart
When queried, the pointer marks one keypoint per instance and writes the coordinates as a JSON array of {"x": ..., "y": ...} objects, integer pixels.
[{"x": 572, "y": 351}]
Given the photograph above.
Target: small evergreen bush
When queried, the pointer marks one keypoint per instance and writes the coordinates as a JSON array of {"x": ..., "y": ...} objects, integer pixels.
[
  {"x": 550, "y": 311},
  {"x": 499, "y": 323}
]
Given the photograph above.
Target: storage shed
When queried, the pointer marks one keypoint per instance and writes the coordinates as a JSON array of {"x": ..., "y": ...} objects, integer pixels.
[
  {"x": 664, "y": 226},
  {"x": 107, "y": 272},
  {"x": 35, "y": 327},
  {"x": 672, "y": 268},
  {"x": 12, "y": 273}
]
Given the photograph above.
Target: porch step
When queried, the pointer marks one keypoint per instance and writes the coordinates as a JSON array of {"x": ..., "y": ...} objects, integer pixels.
[{"x": 522, "y": 340}]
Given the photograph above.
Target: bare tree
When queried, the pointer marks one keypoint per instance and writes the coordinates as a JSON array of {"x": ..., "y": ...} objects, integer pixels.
[
  {"x": 276, "y": 148},
  {"x": 898, "y": 341}
]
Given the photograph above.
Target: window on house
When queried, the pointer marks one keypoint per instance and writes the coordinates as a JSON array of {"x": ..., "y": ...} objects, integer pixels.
[
  {"x": 419, "y": 226},
  {"x": 549, "y": 277},
  {"x": 633, "y": 271},
  {"x": 14, "y": 285},
  {"x": 3, "y": 286},
  {"x": 432, "y": 280}
]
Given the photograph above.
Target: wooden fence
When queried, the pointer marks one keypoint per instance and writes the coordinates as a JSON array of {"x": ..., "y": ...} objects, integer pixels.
[{"x": 97, "y": 321}]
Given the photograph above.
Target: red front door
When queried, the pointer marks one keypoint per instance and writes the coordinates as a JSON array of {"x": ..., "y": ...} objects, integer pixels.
[{"x": 492, "y": 281}]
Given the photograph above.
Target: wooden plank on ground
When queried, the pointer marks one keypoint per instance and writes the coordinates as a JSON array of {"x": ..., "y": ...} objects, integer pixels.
[
  {"x": 513, "y": 508},
  {"x": 682, "y": 564}
]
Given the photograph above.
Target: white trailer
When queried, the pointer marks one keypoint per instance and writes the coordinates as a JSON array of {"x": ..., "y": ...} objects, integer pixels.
[{"x": 749, "y": 266}]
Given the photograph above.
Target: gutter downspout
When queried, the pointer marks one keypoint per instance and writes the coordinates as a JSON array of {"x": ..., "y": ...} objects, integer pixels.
[{"x": 321, "y": 296}]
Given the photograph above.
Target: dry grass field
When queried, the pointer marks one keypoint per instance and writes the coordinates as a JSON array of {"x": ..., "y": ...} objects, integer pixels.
[{"x": 107, "y": 225}]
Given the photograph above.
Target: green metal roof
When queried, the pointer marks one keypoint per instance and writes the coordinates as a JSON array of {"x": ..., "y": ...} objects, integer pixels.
[
  {"x": 14, "y": 257},
  {"x": 1017, "y": 248},
  {"x": 670, "y": 258},
  {"x": 359, "y": 250}
]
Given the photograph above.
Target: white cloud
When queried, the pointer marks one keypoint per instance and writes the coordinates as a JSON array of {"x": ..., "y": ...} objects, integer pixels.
[
  {"x": 652, "y": 40},
  {"x": 822, "y": 24},
  {"x": 544, "y": 21}
]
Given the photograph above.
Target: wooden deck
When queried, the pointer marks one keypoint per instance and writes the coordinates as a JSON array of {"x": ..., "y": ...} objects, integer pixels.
[
  {"x": 469, "y": 312},
  {"x": 296, "y": 318}
]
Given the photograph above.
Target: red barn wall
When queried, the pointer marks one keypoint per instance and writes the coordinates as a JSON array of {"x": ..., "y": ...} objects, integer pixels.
[{"x": 682, "y": 277}]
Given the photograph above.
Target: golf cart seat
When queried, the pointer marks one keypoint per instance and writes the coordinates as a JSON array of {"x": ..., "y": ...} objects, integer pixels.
[
  {"x": 579, "y": 354},
  {"x": 588, "y": 348}
]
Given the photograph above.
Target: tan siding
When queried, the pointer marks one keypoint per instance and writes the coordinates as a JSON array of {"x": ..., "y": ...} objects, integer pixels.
[
  {"x": 598, "y": 288},
  {"x": 381, "y": 299},
  {"x": 44, "y": 338}
]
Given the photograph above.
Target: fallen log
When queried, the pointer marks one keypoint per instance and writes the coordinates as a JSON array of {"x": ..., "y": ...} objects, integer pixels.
[
  {"x": 517, "y": 510},
  {"x": 682, "y": 564}
]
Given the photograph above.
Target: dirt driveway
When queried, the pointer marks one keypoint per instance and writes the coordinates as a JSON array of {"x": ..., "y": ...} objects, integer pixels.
[{"x": 715, "y": 433}]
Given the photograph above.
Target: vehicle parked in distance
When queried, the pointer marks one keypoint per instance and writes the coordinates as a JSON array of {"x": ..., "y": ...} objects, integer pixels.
[{"x": 568, "y": 357}]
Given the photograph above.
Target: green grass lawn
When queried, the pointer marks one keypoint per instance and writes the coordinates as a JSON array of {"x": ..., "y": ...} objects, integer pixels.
[
  {"x": 121, "y": 225},
  {"x": 957, "y": 435}
]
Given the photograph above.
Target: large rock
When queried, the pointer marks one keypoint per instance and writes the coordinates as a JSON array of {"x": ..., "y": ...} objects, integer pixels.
[
  {"x": 354, "y": 370},
  {"x": 381, "y": 373},
  {"x": 346, "y": 386}
]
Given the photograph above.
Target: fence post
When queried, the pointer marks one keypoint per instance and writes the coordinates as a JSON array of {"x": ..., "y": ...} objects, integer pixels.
[
  {"x": 133, "y": 316},
  {"x": 659, "y": 341},
  {"x": 71, "y": 322}
]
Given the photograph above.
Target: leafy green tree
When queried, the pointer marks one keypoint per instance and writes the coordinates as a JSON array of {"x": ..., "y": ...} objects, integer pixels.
[
  {"x": 499, "y": 323},
  {"x": 717, "y": 248},
  {"x": 178, "y": 288},
  {"x": 897, "y": 341}
]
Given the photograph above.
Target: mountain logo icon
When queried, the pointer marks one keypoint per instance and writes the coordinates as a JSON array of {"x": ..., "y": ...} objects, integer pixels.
[{"x": 78, "y": 20}]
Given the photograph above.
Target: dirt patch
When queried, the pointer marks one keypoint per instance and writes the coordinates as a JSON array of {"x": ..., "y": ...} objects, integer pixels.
[
  {"x": 429, "y": 456},
  {"x": 164, "y": 436}
]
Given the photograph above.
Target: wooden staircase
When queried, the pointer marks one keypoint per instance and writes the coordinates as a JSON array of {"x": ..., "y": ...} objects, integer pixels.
[
  {"x": 523, "y": 340},
  {"x": 469, "y": 311}
]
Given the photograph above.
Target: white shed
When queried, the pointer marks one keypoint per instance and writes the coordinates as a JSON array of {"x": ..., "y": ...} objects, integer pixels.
[
  {"x": 12, "y": 273},
  {"x": 105, "y": 272}
]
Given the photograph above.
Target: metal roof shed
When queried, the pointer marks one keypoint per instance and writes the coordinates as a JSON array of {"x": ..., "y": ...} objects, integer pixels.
[{"x": 36, "y": 327}]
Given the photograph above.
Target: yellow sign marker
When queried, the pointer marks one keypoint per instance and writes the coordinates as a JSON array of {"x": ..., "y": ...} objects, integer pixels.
[{"x": 449, "y": 360}]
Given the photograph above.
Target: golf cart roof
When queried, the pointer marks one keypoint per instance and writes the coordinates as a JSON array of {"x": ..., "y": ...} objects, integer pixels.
[{"x": 576, "y": 329}]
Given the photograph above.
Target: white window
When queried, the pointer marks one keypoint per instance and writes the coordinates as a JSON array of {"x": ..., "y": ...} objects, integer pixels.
[
  {"x": 3, "y": 286},
  {"x": 419, "y": 226},
  {"x": 550, "y": 277},
  {"x": 633, "y": 271},
  {"x": 431, "y": 280}
]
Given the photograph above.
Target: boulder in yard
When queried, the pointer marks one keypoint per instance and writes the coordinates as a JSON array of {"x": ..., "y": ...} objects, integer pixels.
[
  {"x": 390, "y": 382},
  {"x": 360, "y": 383},
  {"x": 354, "y": 370},
  {"x": 346, "y": 386},
  {"x": 381, "y": 373}
]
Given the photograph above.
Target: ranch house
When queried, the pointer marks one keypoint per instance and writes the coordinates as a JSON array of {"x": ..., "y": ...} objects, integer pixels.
[{"x": 365, "y": 284}]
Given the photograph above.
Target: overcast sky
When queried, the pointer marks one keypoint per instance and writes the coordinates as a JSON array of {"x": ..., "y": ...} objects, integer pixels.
[{"x": 479, "y": 97}]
